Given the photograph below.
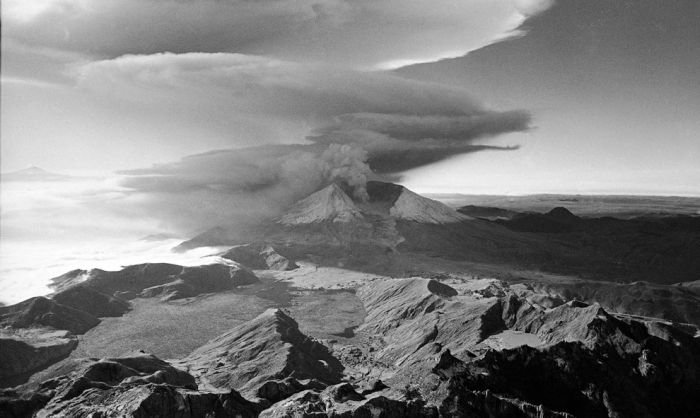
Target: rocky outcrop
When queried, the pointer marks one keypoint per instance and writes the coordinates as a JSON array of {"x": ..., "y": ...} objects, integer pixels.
[
  {"x": 89, "y": 300},
  {"x": 680, "y": 304},
  {"x": 430, "y": 342},
  {"x": 168, "y": 281},
  {"x": 259, "y": 257},
  {"x": 27, "y": 350},
  {"x": 417, "y": 316},
  {"x": 39, "y": 331},
  {"x": 43, "y": 312},
  {"x": 571, "y": 378},
  {"x": 274, "y": 391},
  {"x": 138, "y": 385},
  {"x": 28, "y": 342},
  {"x": 588, "y": 362},
  {"x": 192, "y": 281},
  {"x": 350, "y": 404},
  {"x": 270, "y": 347},
  {"x": 153, "y": 400}
]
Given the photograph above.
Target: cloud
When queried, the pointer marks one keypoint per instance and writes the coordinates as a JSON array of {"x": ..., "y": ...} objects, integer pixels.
[
  {"x": 450, "y": 127},
  {"x": 351, "y": 33},
  {"x": 399, "y": 142},
  {"x": 533, "y": 7},
  {"x": 242, "y": 185},
  {"x": 343, "y": 125},
  {"x": 292, "y": 89},
  {"x": 240, "y": 73},
  {"x": 255, "y": 83},
  {"x": 245, "y": 97},
  {"x": 285, "y": 84}
]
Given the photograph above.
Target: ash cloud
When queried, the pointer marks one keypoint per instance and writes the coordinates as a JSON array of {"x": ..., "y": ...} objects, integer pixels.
[
  {"x": 415, "y": 128},
  {"x": 243, "y": 185},
  {"x": 399, "y": 142},
  {"x": 332, "y": 125},
  {"x": 289, "y": 91}
]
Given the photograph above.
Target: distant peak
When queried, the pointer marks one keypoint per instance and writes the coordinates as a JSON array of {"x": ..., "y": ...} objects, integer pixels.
[
  {"x": 562, "y": 213},
  {"x": 33, "y": 169},
  {"x": 33, "y": 173}
]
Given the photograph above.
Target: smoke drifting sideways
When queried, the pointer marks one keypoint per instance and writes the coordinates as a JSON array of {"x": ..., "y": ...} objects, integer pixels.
[{"x": 358, "y": 126}]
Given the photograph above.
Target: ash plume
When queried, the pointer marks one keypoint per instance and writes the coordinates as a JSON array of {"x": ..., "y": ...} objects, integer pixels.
[
  {"x": 314, "y": 124},
  {"x": 348, "y": 164}
]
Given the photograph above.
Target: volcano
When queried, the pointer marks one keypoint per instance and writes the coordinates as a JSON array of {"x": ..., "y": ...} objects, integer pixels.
[
  {"x": 330, "y": 204},
  {"x": 330, "y": 214},
  {"x": 401, "y": 203}
]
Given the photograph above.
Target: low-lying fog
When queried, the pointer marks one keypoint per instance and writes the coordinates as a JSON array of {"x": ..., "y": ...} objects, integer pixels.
[{"x": 52, "y": 227}]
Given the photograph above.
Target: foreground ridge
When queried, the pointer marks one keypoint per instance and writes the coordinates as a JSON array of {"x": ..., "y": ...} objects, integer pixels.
[{"x": 427, "y": 347}]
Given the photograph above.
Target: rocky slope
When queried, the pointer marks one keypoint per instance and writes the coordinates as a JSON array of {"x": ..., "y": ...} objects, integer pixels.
[
  {"x": 41, "y": 331},
  {"x": 25, "y": 351},
  {"x": 138, "y": 385},
  {"x": 442, "y": 345},
  {"x": 661, "y": 249},
  {"x": 168, "y": 281},
  {"x": 677, "y": 304},
  {"x": 44, "y": 312},
  {"x": 330, "y": 204},
  {"x": 412, "y": 207},
  {"x": 426, "y": 348},
  {"x": 87, "y": 299},
  {"x": 259, "y": 256},
  {"x": 268, "y": 348},
  {"x": 603, "y": 364}
]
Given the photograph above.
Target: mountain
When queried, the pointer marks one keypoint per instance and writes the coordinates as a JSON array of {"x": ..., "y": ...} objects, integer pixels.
[
  {"x": 135, "y": 385},
  {"x": 403, "y": 204},
  {"x": 556, "y": 220},
  {"x": 452, "y": 346},
  {"x": 259, "y": 256},
  {"x": 168, "y": 281},
  {"x": 33, "y": 174},
  {"x": 331, "y": 217},
  {"x": 330, "y": 204},
  {"x": 268, "y": 348},
  {"x": 394, "y": 228},
  {"x": 486, "y": 212},
  {"x": 43, "y": 312}
]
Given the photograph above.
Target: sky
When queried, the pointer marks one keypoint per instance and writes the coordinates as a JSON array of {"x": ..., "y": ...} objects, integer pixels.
[
  {"x": 597, "y": 96},
  {"x": 158, "y": 119},
  {"x": 614, "y": 90},
  {"x": 167, "y": 117}
]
